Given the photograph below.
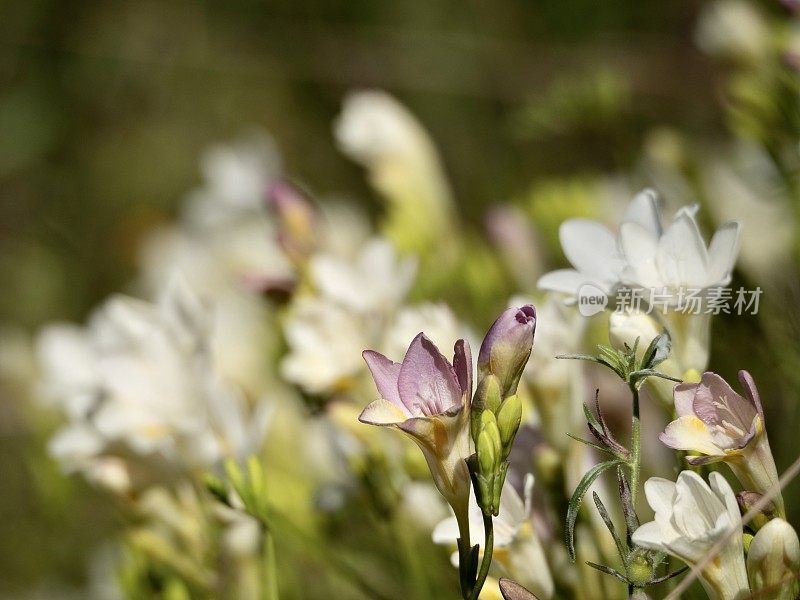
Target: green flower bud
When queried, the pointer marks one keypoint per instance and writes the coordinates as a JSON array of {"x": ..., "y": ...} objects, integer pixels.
[
  {"x": 487, "y": 398},
  {"x": 508, "y": 420},
  {"x": 488, "y": 448}
]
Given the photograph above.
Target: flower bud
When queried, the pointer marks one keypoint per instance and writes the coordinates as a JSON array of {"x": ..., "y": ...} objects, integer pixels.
[
  {"x": 297, "y": 221},
  {"x": 488, "y": 445},
  {"x": 507, "y": 347},
  {"x": 508, "y": 419},
  {"x": 773, "y": 561},
  {"x": 487, "y": 398}
]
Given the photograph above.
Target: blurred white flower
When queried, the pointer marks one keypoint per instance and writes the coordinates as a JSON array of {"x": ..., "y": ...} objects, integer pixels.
[
  {"x": 437, "y": 320},
  {"x": 518, "y": 554},
  {"x": 375, "y": 130},
  {"x": 557, "y": 387},
  {"x": 690, "y": 518},
  {"x": 325, "y": 343},
  {"x": 147, "y": 386},
  {"x": 236, "y": 177},
  {"x": 376, "y": 279},
  {"x": 732, "y": 29}
]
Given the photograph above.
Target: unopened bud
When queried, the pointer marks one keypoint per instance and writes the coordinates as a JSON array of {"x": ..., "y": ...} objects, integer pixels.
[
  {"x": 507, "y": 347},
  {"x": 488, "y": 445},
  {"x": 487, "y": 398},
  {"x": 297, "y": 221},
  {"x": 508, "y": 419},
  {"x": 773, "y": 561}
]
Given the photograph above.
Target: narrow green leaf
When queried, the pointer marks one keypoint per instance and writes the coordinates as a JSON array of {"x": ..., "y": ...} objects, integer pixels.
[
  {"x": 577, "y": 498},
  {"x": 621, "y": 547},
  {"x": 591, "y": 444},
  {"x": 607, "y": 570}
]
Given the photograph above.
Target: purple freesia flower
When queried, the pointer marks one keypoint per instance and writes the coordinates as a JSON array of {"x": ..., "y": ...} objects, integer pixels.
[
  {"x": 428, "y": 398},
  {"x": 721, "y": 425},
  {"x": 507, "y": 347}
]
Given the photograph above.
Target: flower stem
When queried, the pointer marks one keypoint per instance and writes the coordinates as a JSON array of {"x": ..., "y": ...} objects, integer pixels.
[
  {"x": 635, "y": 461},
  {"x": 464, "y": 554},
  {"x": 270, "y": 567},
  {"x": 488, "y": 527}
]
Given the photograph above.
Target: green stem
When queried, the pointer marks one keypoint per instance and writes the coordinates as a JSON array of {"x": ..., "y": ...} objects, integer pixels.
[
  {"x": 270, "y": 567},
  {"x": 488, "y": 527},
  {"x": 635, "y": 461},
  {"x": 464, "y": 554}
]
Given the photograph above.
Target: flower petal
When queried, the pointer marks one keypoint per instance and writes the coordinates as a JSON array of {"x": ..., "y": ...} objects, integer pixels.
[
  {"x": 715, "y": 402},
  {"x": 722, "y": 253},
  {"x": 639, "y": 247},
  {"x": 427, "y": 382},
  {"x": 566, "y": 281},
  {"x": 385, "y": 372},
  {"x": 382, "y": 412},
  {"x": 682, "y": 257},
  {"x": 683, "y": 395},
  {"x": 689, "y": 433},
  {"x": 462, "y": 365},
  {"x": 591, "y": 248},
  {"x": 648, "y": 535},
  {"x": 724, "y": 492},
  {"x": 643, "y": 210},
  {"x": 660, "y": 494},
  {"x": 750, "y": 389}
]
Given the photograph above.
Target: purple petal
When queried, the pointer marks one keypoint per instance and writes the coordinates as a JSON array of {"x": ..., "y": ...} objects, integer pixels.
[
  {"x": 752, "y": 392},
  {"x": 683, "y": 394},
  {"x": 715, "y": 402},
  {"x": 385, "y": 373},
  {"x": 427, "y": 382},
  {"x": 698, "y": 461},
  {"x": 462, "y": 365}
]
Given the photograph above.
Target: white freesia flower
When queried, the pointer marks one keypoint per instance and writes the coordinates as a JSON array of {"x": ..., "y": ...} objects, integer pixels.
[
  {"x": 376, "y": 278},
  {"x": 690, "y": 518},
  {"x": 236, "y": 177},
  {"x": 325, "y": 343},
  {"x": 147, "y": 387},
  {"x": 518, "y": 553},
  {"x": 644, "y": 253}
]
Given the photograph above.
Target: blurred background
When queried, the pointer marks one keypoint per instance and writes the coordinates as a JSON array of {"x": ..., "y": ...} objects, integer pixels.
[{"x": 106, "y": 107}]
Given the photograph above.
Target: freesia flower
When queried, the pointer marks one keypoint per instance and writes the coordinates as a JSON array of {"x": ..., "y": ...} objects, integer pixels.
[
  {"x": 690, "y": 518},
  {"x": 676, "y": 257},
  {"x": 773, "y": 561},
  {"x": 720, "y": 425},
  {"x": 374, "y": 280},
  {"x": 375, "y": 130},
  {"x": 145, "y": 385},
  {"x": 644, "y": 253},
  {"x": 518, "y": 552},
  {"x": 428, "y": 398}
]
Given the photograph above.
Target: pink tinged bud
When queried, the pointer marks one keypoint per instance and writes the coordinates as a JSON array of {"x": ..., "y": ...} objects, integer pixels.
[
  {"x": 297, "y": 220},
  {"x": 507, "y": 347}
]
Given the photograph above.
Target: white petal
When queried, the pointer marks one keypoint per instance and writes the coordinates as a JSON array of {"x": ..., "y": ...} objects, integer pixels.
[
  {"x": 660, "y": 494},
  {"x": 566, "y": 281},
  {"x": 639, "y": 247},
  {"x": 722, "y": 253},
  {"x": 381, "y": 412},
  {"x": 445, "y": 532},
  {"x": 649, "y": 536},
  {"x": 643, "y": 210},
  {"x": 724, "y": 492},
  {"x": 591, "y": 248},
  {"x": 682, "y": 257}
]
